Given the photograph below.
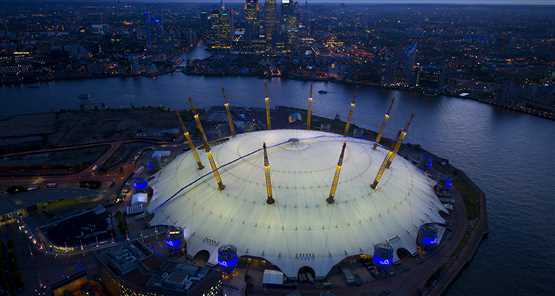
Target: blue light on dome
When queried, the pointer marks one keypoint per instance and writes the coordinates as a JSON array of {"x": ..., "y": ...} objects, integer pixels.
[
  {"x": 448, "y": 183},
  {"x": 173, "y": 243},
  {"x": 140, "y": 184},
  {"x": 381, "y": 261},
  {"x": 429, "y": 163}
]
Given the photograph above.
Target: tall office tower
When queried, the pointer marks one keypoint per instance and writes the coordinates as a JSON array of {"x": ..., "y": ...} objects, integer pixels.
[
  {"x": 225, "y": 27},
  {"x": 289, "y": 21},
  {"x": 269, "y": 19},
  {"x": 220, "y": 27},
  {"x": 408, "y": 61},
  {"x": 251, "y": 16},
  {"x": 251, "y": 11},
  {"x": 286, "y": 7},
  {"x": 153, "y": 29}
]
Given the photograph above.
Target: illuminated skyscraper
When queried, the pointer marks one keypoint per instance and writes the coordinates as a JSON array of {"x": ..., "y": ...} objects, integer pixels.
[
  {"x": 220, "y": 22},
  {"x": 251, "y": 16},
  {"x": 289, "y": 21},
  {"x": 408, "y": 61},
  {"x": 285, "y": 8},
  {"x": 251, "y": 11},
  {"x": 269, "y": 19}
]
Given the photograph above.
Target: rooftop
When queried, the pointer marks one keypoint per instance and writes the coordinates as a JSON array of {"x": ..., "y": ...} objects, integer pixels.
[{"x": 136, "y": 264}]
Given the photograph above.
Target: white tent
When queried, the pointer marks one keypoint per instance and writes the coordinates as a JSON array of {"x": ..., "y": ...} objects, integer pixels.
[
  {"x": 140, "y": 197},
  {"x": 300, "y": 229},
  {"x": 272, "y": 277}
]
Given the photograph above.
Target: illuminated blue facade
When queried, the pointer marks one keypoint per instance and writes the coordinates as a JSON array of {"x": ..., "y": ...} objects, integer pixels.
[
  {"x": 227, "y": 258},
  {"x": 447, "y": 183},
  {"x": 383, "y": 257},
  {"x": 173, "y": 243},
  {"x": 428, "y": 237},
  {"x": 429, "y": 163},
  {"x": 140, "y": 184},
  {"x": 151, "y": 166}
]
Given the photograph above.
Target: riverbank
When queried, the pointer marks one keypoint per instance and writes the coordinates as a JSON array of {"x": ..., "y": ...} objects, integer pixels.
[
  {"x": 151, "y": 66},
  {"x": 521, "y": 108}
]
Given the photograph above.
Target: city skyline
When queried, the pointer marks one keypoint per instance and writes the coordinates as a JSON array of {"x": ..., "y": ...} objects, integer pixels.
[{"x": 381, "y": 2}]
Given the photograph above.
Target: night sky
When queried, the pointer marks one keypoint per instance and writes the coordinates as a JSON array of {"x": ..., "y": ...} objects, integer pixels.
[
  {"x": 519, "y": 2},
  {"x": 513, "y": 2}
]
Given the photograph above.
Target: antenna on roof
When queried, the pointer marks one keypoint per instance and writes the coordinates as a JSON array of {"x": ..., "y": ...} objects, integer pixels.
[
  {"x": 228, "y": 115},
  {"x": 331, "y": 197}
]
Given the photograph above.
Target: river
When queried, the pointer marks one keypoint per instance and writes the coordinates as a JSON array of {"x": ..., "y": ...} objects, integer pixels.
[{"x": 511, "y": 156}]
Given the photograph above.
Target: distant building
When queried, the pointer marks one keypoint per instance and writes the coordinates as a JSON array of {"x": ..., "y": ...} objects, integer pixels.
[
  {"x": 101, "y": 29},
  {"x": 220, "y": 24},
  {"x": 251, "y": 11},
  {"x": 270, "y": 19},
  {"x": 400, "y": 70},
  {"x": 289, "y": 21}
]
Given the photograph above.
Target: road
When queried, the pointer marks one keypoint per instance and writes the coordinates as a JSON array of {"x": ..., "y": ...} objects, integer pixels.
[{"x": 88, "y": 174}]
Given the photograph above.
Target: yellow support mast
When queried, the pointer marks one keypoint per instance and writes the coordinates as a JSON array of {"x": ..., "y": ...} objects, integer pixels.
[
  {"x": 269, "y": 197},
  {"x": 400, "y": 138},
  {"x": 214, "y": 168},
  {"x": 267, "y": 104},
  {"x": 386, "y": 118},
  {"x": 198, "y": 124},
  {"x": 209, "y": 153},
  {"x": 228, "y": 114},
  {"x": 349, "y": 117},
  {"x": 193, "y": 109},
  {"x": 309, "y": 110},
  {"x": 189, "y": 141},
  {"x": 331, "y": 197},
  {"x": 379, "y": 175}
]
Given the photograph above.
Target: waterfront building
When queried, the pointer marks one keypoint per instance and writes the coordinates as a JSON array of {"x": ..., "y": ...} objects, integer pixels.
[{"x": 409, "y": 63}]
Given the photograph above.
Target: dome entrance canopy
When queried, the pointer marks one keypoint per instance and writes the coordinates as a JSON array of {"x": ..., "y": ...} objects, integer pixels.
[{"x": 300, "y": 228}]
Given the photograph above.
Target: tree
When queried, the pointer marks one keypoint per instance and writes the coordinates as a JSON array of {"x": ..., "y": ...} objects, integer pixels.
[
  {"x": 10, "y": 277},
  {"x": 121, "y": 222},
  {"x": 4, "y": 282}
]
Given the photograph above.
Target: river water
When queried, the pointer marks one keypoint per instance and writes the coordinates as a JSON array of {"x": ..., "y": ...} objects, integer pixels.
[{"x": 511, "y": 156}]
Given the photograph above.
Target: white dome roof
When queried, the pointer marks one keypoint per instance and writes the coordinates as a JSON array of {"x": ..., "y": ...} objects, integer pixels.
[{"x": 300, "y": 228}]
